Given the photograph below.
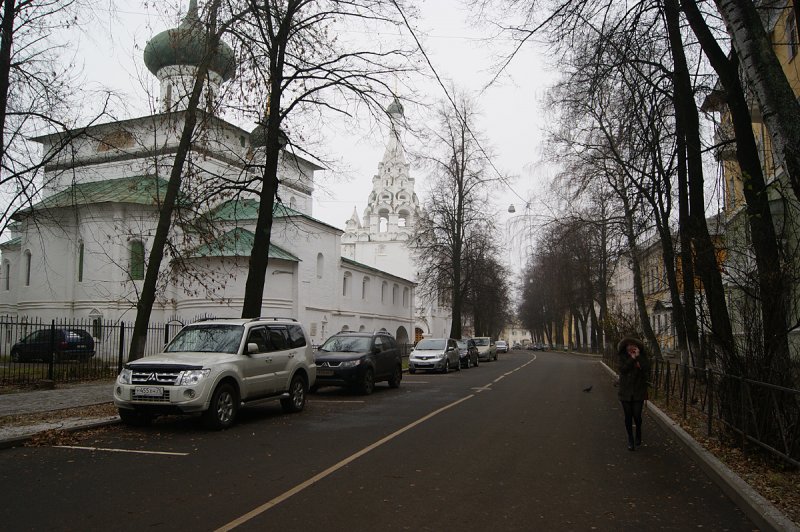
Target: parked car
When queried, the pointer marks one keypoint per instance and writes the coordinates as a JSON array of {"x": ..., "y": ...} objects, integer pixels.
[
  {"x": 501, "y": 346},
  {"x": 487, "y": 350},
  {"x": 214, "y": 366},
  {"x": 67, "y": 344},
  {"x": 467, "y": 352},
  {"x": 359, "y": 360},
  {"x": 436, "y": 354},
  {"x": 517, "y": 346}
]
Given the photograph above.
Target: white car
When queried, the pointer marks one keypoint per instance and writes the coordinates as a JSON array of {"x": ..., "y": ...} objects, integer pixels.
[
  {"x": 501, "y": 346},
  {"x": 435, "y": 354},
  {"x": 214, "y": 366},
  {"x": 487, "y": 350}
]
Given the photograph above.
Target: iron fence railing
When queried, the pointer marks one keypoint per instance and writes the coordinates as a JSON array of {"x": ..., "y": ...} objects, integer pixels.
[
  {"x": 111, "y": 345},
  {"x": 759, "y": 413}
]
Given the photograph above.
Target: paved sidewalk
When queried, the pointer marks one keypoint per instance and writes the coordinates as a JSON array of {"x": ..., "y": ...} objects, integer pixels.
[{"x": 65, "y": 396}]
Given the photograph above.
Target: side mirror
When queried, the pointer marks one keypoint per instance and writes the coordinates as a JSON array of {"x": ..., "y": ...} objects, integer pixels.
[{"x": 252, "y": 347}]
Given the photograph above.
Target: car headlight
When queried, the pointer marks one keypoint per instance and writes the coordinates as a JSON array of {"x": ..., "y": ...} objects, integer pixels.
[
  {"x": 440, "y": 356},
  {"x": 350, "y": 363},
  {"x": 124, "y": 376},
  {"x": 192, "y": 377}
]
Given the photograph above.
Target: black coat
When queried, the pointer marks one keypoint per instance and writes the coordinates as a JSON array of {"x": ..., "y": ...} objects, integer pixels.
[{"x": 633, "y": 374}]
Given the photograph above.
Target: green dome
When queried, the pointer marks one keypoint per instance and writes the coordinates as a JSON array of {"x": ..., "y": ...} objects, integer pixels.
[
  {"x": 258, "y": 137},
  {"x": 395, "y": 107},
  {"x": 185, "y": 44}
]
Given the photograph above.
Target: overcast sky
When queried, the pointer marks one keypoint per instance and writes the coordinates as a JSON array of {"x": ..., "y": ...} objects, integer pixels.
[{"x": 511, "y": 110}]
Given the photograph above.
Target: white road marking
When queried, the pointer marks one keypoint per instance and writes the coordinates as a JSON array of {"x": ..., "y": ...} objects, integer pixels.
[
  {"x": 333, "y": 401},
  {"x": 319, "y": 476},
  {"x": 109, "y": 450}
]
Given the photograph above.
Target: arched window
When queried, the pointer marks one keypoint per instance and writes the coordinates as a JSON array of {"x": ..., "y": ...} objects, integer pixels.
[
  {"x": 136, "y": 258},
  {"x": 320, "y": 265},
  {"x": 7, "y": 274},
  {"x": 395, "y": 294},
  {"x": 405, "y": 297},
  {"x": 362, "y": 328},
  {"x": 80, "y": 262},
  {"x": 346, "y": 279},
  {"x": 364, "y": 288},
  {"x": 345, "y": 328},
  {"x": 383, "y": 221},
  {"x": 292, "y": 203},
  {"x": 27, "y": 268},
  {"x": 384, "y": 291}
]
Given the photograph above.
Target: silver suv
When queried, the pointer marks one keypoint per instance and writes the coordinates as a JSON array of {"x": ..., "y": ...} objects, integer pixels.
[{"x": 215, "y": 366}]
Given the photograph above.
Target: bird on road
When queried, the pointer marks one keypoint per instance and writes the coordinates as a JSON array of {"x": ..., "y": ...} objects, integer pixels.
[{"x": 589, "y": 389}]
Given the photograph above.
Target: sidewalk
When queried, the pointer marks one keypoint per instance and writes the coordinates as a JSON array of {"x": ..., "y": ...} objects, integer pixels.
[{"x": 66, "y": 396}]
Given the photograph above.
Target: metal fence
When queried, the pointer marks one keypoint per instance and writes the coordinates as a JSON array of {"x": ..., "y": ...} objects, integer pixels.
[
  {"x": 111, "y": 345},
  {"x": 753, "y": 412}
]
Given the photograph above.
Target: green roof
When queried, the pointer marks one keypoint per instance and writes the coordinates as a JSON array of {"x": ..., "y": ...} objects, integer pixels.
[
  {"x": 238, "y": 242},
  {"x": 142, "y": 190},
  {"x": 247, "y": 209},
  {"x": 9, "y": 244}
]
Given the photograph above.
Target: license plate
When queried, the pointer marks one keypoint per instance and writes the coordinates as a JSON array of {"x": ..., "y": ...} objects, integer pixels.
[
  {"x": 148, "y": 391},
  {"x": 324, "y": 372}
]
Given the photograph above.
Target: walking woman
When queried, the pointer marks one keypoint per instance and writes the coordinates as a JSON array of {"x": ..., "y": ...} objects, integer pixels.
[{"x": 634, "y": 368}]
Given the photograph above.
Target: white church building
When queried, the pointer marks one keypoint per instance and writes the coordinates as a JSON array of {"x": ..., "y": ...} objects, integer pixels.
[
  {"x": 80, "y": 250},
  {"x": 384, "y": 238}
]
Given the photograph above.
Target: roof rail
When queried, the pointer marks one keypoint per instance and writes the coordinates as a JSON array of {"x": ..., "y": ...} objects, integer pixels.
[{"x": 273, "y": 318}]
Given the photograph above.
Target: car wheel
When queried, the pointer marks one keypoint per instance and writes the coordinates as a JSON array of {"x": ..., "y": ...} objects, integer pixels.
[
  {"x": 477, "y": 362},
  {"x": 222, "y": 411},
  {"x": 412, "y": 370},
  {"x": 458, "y": 366},
  {"x": 397, "y": 376},
  {"x": 446, "y": 367},
  {"x": 16, "y": 356},
  {"x": 133, "y": 418},
  {"x": 297, "y": 396},
  {"x": 367, "y": 382}
]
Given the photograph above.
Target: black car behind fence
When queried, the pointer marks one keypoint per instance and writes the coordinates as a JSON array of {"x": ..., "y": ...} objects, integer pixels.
[{"x": 32, "y": 351}]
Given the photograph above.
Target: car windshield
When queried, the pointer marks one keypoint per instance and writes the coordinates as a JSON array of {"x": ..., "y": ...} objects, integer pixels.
[
  {"x": 500, "y": 342},
  {"x": 346, "y": 344},
  {"x": 462, "y": 344},
  {"x": 431, "y": 345},
  {"x": 207, "y": 339},
  {"x": 481, "y": 341}
]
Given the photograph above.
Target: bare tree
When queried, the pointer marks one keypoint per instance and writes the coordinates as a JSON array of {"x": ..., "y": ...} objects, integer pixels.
[
  {"x": 456, "y": 205},
  {"x": 292, "y": 63},
  {"x": 38, "y": 92}
]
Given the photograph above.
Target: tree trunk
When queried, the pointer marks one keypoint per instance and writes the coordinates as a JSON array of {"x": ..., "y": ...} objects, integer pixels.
[
  {"x": 259, "y": 255},
  {"x": 777, "y": 101},
  {"x": 6, "y": 43},
  {"x": 144, "y": 306},
  {"x": 705, "y": 252},
  {"x": 771, "y": 279}
]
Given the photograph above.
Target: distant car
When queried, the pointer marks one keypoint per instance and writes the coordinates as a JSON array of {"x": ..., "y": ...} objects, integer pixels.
[
  {"x": 358, "y": 360},
  {"x": 436, "y": 354},
  {"x": 517, "y": 346},
  {"x": 501, "y": 346},
  {"x": 67, "y": 344},
  {"x": 487, "y": 350},
  {"x": 467, "y": 353}
]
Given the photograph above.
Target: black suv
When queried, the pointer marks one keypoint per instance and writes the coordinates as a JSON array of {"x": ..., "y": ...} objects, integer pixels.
[
  {"x": 359, "y": 360},
  {"x": 58, "y": 344}
]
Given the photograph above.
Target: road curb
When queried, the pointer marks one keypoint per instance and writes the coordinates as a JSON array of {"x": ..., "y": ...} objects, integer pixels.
[
  {"x": 757, "y": 508},
  {"x": 19, "y": 441}
]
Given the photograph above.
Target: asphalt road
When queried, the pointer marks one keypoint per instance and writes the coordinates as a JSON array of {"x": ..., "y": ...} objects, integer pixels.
[{"x": 511, "y": 445}]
